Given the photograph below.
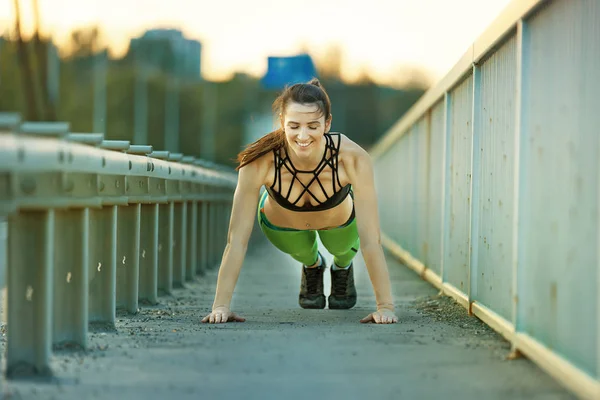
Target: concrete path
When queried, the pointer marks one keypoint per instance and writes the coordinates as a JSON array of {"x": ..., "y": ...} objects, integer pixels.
[{"x": 285, "y": 352}]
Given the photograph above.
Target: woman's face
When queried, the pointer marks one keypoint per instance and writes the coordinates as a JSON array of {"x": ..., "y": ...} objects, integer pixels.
[{"x": 304, "y": 127}]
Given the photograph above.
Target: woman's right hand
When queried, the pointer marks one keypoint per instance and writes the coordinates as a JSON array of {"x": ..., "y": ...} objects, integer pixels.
[{"x": 221, "y": 315}]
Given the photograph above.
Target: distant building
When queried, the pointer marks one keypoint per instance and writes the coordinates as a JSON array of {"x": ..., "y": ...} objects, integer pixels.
[{"x": 168, "y": 50}]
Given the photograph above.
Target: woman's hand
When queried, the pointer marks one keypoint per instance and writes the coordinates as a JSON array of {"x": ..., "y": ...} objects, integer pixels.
[
  {"x": 222, "y": 315},
  {"x": 382, "y": 316}
]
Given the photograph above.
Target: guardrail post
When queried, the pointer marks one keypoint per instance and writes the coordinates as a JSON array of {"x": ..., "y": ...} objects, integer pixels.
[
  {"x": 29, "y": 276},
  {"x": 103, "y": 266},
  {"x": 139, "y": 188},
  {"x": 201, "y": 224},
  {"x": 179, "y": 236},
  {"x": 190, "y": 194},
  {"x": 29, "y": 303},
  {"x": 149, "y": 253},
  {"x": 179, "y": 228},
  {"x": 128, "y": 241},
  {"x": 71, "y": 241},
  {"x": 165, "y": 233},
  {"x": 165, "y": 247},
  {"x": 210, "y": 253},
  {"x": 203, "y": 235},
  {"x": 8, "y": 158},
  {"x": 128, "y": 260},
  {"x": 192, "y": 230}
]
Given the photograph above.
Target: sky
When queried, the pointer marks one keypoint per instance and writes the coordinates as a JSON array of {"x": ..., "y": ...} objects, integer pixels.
[{"x": 376, "y": 36}]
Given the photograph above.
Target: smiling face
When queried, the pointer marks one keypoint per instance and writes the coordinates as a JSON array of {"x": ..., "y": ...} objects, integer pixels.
[{"x": 304, "y": 126}]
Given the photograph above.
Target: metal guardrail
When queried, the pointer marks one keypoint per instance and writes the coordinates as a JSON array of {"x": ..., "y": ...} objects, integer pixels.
[
  {"x": 489, "y": 185},
  {"x": 95, "y": 226}
]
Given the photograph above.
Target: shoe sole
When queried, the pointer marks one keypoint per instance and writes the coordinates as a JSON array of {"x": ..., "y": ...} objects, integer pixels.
[
  {"x": 318, "y": 303},
  {"x": 344, "y": 304}
]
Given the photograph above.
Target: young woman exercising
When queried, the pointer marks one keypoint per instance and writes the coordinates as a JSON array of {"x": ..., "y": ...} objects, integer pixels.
[{"x": 317, "y": 183}]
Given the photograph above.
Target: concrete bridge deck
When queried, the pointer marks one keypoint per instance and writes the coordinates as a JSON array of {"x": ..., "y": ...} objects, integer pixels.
[{"x": 282, "y": 351}]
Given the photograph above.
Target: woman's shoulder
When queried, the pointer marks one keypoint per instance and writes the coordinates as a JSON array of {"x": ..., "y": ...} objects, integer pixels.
[
  {"x": 259, "y": 168},
  {"x": 354, "y": 159},
  {"x": 349, "y": 150}
]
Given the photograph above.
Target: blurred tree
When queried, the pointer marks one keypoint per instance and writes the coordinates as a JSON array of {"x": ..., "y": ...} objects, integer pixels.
[
  {"x": 411, "y": 77},
  {"x": 329, "y": 66},
  {"x": 25, "y": 69},
  {"x": 190, "y": 116},
  {"x": 41, "y": 52},
  {"x": 12, "y": 95},
  {"x": 120, "y": 82},
  {"x": 364, "y": 78},
  {"x": 77, "y": 77},
  {"x": 84, "y": 42}
]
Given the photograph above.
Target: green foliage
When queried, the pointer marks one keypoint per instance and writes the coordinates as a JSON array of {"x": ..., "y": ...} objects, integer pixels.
[
  {"x": 11, "y": 92},
  {"x": 76, "y": 100},
  {"x": 120, "y": 82},
  {"x": 190, "y": 105}
]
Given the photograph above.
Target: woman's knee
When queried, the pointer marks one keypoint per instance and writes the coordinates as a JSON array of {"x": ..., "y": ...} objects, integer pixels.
[
  {"x": 341, "y": 241},
  {"x": 337, "y": 248},
  {"x": 343, "y": 245},
  {"x": 308, "y": 256}
]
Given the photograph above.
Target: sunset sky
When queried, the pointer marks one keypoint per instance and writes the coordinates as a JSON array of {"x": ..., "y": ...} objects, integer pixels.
[{"x": 378, "y": 36}]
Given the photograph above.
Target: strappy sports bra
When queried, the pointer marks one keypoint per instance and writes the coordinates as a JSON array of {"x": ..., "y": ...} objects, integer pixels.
[{"x": 335, "y": 199}]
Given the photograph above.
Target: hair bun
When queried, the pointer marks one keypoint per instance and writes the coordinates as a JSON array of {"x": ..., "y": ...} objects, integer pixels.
[{"x": 315, "y": 82}]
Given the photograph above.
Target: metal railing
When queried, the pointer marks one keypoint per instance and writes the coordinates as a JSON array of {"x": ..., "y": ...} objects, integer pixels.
[
  {"x": 95, "y": 226},
  {"x": 490, "y": 185}
]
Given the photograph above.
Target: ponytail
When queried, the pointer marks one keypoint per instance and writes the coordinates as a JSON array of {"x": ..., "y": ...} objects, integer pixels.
[
  {"x": 271, "y": 141},
  {"x": 315, "y": 82}
]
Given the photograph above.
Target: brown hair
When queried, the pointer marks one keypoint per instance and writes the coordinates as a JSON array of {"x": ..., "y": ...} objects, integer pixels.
[{"x": 303, "y": 93}]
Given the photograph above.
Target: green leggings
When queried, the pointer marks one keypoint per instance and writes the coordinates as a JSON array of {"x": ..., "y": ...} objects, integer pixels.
[{"x": 342, "y": 242}]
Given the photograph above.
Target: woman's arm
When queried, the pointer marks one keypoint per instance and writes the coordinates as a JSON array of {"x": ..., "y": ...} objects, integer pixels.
[
  {"x": 245, "y": 201},
  {"x": 361, "y": 175}
]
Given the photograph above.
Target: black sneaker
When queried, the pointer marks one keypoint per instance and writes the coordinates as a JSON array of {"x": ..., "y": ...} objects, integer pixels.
[
  {"x": 311, "y": 288},
  {"x": 343, "y": 291}
]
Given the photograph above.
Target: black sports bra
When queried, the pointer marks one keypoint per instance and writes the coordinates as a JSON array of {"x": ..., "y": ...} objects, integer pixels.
[{"x": 335, "y": 199}]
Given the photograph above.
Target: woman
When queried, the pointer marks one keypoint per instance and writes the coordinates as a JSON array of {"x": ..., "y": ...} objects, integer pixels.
[{"x": 316, "y": 183}]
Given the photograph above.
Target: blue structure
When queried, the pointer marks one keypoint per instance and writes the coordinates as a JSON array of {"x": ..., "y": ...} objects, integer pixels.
[{"x": 284, "y": 71}]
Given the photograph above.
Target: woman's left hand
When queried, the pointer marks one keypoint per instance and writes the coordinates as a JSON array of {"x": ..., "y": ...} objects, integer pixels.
[{"x": 382, "y": 316}]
